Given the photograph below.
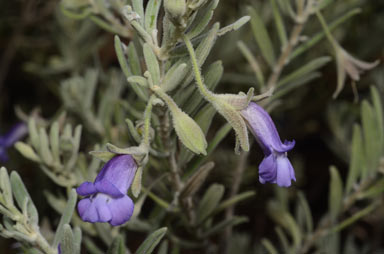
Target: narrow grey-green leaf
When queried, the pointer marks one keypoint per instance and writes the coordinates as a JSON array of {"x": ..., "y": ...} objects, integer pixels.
[
  {"x": 281, "y": 31},
  {"x": 140, "y": 91},
  {"x": 152, "y": 63},
  {"x": 151, "y": 14},
  {"x": 218, "y": 228},
  {"x": 261, "y": 36},
  {"x": 22, "y": 197},
  {"x": 138, "y": 85},
  {"x": 138, "y": 80},
  {"x": 119, "y": 48},
  {"x": 44, "y": 150},
  {"x": 174, "y": 76},
  {"x": 378, "y": 108},
  {"x": 205, "y": 46},
  {"x": 55, "y": 143},
  {"x": 295, "y": 84},
  {"x": 67, "y": 241},
  {"x": 163, "y": 249},
  {"x": 357, "y": 166},
  {"x": 252, "y": 62},
  {"x": 134, "y": 59},
  {"x": 307, "y": 211},
  {"x": 335, "y": 194},
  {"x": 202, "y": 19},
  {"x": 286, "y": 220},
  {"x": 283, "y": 238},
  {"x": 27, "y": 151},
  {"x": 106, "y": 26},
  {"x": 75, "y": 149},
  {"x": 138, "y": 7},
  {"x": 373, "y": 191},
  {"x": 209, "y": 202},
  {"x": 220, "y": 135},
  {"x": 91, "y": 76},
  {"x": 196, "y": 180},
  {"x": 103, "y": 231},
  {"x": 132, "y": 130},
  {"x": 371, "y": 143},
  {"x": 92, "y": 247},
  {"x": 302, "y": 71},
  {"x": 293, "y": 229},
  {"x": 33, "y": 134},
  {"x": 269, "y": 246},
  {"x": 151, "y": 241},
  {"x": 204, "y": 117},
  {"x": 65, "y": 217},
  {"x": 234, "y": 26},
  {"x": 345, "y": 223},
  {"x": 5, "y": 187},
  {"x": 117, "y": 246},
  {"x": 234, "y": 200},
  {"x": 168, "y": 31},
  {"x": 286, "y": 7},
  {"x": 324, "y": 4},
  {"x": 77, "y": 239}
]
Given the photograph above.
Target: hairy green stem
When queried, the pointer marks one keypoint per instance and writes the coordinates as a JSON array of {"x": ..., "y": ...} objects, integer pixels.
[
  {"x": 208, "y": 95},
  {"x": 327, "y": 32}
]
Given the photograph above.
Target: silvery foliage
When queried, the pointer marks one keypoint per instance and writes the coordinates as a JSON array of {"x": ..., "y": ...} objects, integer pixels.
[{"x": 173, "y": 166}]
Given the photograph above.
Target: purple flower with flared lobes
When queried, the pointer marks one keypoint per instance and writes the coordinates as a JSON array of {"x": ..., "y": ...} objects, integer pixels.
[
  {"x": 275, "y": 167},
  {"x": 17, "y": 132},
  {"x": 106, "y": 198}
]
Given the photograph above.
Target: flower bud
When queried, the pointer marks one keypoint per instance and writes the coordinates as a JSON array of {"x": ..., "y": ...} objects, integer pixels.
[
  {"x": 189, "y": 132},
  {"x": 176, "y": 8}
]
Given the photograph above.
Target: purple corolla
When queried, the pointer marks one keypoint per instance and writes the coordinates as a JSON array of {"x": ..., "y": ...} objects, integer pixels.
[
  {"x": 275, "y": 167},
  {"x": 17, "y": 132},
  {"x": 106, "y": 198}
]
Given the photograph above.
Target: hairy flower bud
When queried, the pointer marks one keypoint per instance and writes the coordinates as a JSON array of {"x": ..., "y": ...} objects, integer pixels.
[
  {"x": 189, "y": 132},
  {"x": 176, "y": 8}
]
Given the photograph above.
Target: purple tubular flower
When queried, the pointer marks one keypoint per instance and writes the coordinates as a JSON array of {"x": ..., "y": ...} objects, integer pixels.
[
  {"x": 106, "y": 198},
  {"x": 17, "y": 132},
  {"x": 275, "y": 167}
]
